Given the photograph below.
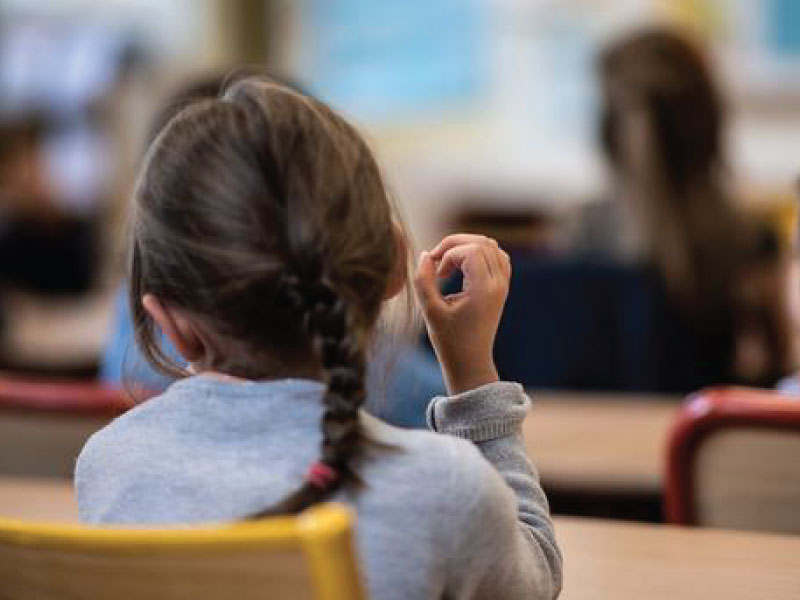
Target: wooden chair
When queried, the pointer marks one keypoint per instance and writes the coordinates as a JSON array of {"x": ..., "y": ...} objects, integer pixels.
[
  {"x": 309, "y": 556},
  {"x": 734, "y": 461},
  {"x": 44, "y": 424}
]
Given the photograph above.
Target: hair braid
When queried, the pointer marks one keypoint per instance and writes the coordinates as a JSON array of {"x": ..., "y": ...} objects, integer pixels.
[{"x": 326, "y": 319}]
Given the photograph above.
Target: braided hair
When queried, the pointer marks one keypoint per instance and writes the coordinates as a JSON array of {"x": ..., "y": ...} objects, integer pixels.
[
  {"x": 325, "y": 318},
  {"x": 263, "y": 215}
]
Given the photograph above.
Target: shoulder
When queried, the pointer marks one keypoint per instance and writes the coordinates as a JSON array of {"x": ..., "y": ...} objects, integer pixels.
[
  {"x": 116, "y": 446},
  {"x": 120, "y": 456},
  {"x": 452, "y": 466},
  {"x": 417, "y": 443}
]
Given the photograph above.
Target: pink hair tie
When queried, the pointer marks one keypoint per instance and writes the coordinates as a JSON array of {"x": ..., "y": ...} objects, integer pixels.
[{"x": 321, "y": 475}]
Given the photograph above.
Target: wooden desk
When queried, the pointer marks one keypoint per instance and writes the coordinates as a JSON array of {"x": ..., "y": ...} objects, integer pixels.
[
  {"x": 58, "y": 333},
  {"x": 600, "y": 443},
  {"x": 617, "y": 560},
  {"x": 40, "y": 499}
]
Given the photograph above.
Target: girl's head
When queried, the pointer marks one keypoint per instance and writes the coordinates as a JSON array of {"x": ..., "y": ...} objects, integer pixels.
[
  {"x": 659, "y": 77},
  {"x": 263, "y": 244}
]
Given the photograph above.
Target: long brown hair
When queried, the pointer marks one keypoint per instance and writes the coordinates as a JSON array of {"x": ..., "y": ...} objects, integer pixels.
[
  {"x": 662, "y": 130},
  {"x": 264, "y": 216}
]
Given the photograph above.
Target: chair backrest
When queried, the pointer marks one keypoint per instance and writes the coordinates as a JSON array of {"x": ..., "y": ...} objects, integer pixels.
[
  {"x": 309, "y": 556},
  {"x": 44, "y": 424},
  {"x": 588, "y": 325},
  {"x": 734, "y": 461}
]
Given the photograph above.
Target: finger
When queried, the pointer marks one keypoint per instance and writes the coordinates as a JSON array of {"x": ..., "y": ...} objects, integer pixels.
[
  {"x": 472, "y": 262},
  {"x": 425, "y": 287},
  {"x": 459, "y": 239},
  {"x": 505, "y": 263},
  {"x": 453, "y": 259},
  {"x": 507, "y": 268},
  {"x": 493, "y": 260}
]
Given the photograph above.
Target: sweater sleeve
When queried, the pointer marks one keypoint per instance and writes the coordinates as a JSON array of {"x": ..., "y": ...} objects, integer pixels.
[{"x": 504, "y": 545}]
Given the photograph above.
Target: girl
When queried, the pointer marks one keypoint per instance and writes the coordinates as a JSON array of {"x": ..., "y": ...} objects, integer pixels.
[
  {"x": 263, "y": 246},
  {"x": 662, "y": 130}
]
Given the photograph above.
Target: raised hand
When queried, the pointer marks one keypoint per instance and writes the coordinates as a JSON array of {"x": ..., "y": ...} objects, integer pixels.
[{"x": 462, "y": 326}]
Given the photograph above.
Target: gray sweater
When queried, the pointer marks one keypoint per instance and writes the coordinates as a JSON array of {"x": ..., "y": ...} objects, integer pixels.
[{"x": 456, "y": 516}]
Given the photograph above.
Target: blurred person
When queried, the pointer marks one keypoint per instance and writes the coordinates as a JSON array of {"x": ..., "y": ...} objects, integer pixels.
[
  {"x": 264, "y": 246},
  {"x": 43, "y": 247},
  {"x": 791, "y": 383},
  {"x": 662, "y": 130},
  {"x": 60, "y": 80},
  {"x": 402, "y": 377}
]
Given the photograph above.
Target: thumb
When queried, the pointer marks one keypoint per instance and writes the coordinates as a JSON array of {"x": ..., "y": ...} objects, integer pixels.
[{"x": 425, "y": 286}]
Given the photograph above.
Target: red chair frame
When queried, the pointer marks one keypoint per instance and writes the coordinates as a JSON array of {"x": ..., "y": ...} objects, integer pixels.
[
  {"x": 705, "y": 413},
  {"x": 62, "y": 397}
]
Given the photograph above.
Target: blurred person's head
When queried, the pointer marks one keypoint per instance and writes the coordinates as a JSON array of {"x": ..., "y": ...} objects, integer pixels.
[
  {"x": 662, "y": 129},
  {"x": 659, "y": 80},
  {"x": 25, "y": 186},
  {"x": 19, "y": 135}
]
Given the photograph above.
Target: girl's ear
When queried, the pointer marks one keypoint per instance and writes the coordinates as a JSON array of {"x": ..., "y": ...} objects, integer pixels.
[
  {"x": 179, "y": 330},
  {"x": 399, "y": 275}
]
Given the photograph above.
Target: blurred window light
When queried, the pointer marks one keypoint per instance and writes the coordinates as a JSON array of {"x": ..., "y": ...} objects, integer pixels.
[
  {"x": 56, "y": 67},
  {"x": 78, "y": 161}
]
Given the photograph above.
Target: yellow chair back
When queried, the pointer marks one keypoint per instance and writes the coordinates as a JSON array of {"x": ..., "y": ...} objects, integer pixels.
[
  {"x": 779, "y": 212},
  {"x": 308, "y": 556}
]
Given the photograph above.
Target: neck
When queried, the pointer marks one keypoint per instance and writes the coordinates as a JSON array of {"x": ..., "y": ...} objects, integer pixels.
[
  {"x": 235, "y": 360},
  {"x": 238, "y": 376}
]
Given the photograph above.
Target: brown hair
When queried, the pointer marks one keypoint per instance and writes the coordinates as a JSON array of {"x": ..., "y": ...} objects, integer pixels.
[
  {"x": 662, "y": 130},
  {"x": 263, "y": 215}
]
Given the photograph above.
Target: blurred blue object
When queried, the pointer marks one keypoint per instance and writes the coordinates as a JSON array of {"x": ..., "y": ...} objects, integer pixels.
[
  {"x": 122, "y": 363},
  {"x": 783, "y": 27},
  {"x": 605, "y": 326},
  {"x": 386, "y": 60},
  {"x": 401, "y": 378},
  {"x": 790, "y": 384}
]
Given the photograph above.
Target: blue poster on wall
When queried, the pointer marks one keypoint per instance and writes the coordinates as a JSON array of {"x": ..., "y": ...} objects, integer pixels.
[
  {"x": 783, "y": 27},
  {"x": 391, "y": 60}
]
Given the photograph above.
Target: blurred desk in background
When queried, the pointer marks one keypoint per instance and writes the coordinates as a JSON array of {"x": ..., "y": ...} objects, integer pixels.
[
  {"x": 37, "y": 498},
  {"x": 63, "y": 336},
  {"x": 601, "y": 454},
  {"x": 631, "y": 561},
  {"x": 600, "y": 442}
]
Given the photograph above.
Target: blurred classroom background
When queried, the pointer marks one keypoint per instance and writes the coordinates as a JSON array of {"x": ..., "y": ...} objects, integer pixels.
[
  {"x": 483, "y": 113},
  {"x": 485, "y": 117}
]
